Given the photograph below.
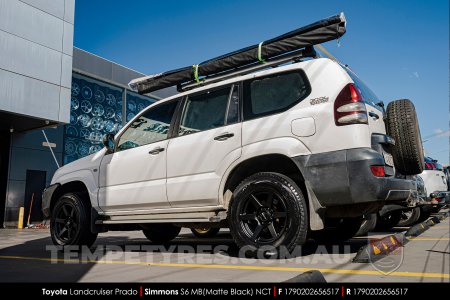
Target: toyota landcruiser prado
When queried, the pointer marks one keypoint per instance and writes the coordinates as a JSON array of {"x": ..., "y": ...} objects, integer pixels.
[{"x": 272, "y": 154}]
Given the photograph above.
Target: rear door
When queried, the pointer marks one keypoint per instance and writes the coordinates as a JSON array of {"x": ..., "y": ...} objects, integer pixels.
[{"x": 208, "y": 142}]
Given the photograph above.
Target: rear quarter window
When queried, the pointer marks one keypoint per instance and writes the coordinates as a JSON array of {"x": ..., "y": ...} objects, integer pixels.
[{"x": 274, "y": 94}]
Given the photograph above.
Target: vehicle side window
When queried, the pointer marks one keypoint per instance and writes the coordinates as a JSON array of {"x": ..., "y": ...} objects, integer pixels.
[
  {"x": 204, "y": 111},
  {"x": 151, "y": 127},
  {"x": 273, "y": 94},
  {"x": 233, "y": 106}
]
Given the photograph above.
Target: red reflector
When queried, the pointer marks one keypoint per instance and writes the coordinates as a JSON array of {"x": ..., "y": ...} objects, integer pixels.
[{"x": 377, "y": 171}]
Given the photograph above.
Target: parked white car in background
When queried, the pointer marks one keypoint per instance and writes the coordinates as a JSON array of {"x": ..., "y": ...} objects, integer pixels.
[{"x": 434, "y": 177}]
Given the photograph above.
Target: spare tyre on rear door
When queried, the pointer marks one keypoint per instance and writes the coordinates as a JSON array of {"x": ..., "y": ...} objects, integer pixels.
[{"x": 403, "y": 126}]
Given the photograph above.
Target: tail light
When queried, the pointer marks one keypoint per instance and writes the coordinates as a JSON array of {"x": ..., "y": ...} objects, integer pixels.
[
  {"x": 349, "y": 107},
  {"x": 378, "y": 171},
  {"x": 430, "y": 166}
]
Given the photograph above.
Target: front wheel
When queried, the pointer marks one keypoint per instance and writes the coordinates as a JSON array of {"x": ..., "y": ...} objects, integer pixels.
[
  {"x": 70, "y": 222},
  {"x": 268, "y": 210}
]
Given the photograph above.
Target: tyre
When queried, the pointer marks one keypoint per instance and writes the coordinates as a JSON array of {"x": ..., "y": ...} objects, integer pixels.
[
  {"x": 268, "y": 210},
  {"x": 161, "y": 233},
  {"x": 403, "y": 126},
  {"x": 424, "y": 214},
  {"x": 388, "y": 220},
  {"x": 70, "y": 222},
  {"x": 337, "y": 230},
  {"x": 409, "y": 217},
  {"x": 205, "y": 232},
  {"x": 369, "y": 223}
]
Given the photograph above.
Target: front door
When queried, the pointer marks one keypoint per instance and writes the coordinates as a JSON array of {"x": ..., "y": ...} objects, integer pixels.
[
  {"x": 208, "y": 142},
  {"x": 134, "y": 176}
]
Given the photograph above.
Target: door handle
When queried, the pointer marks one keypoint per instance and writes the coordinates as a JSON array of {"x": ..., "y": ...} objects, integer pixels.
[
  {"x": 374, "y": 115},
  {"x": 224, "y": 136},
  {"x": 156, "y": 151}
]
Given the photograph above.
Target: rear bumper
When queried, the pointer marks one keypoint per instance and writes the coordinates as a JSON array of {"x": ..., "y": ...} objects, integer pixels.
[
  {"x": 344, "y": 178},
  {"x": 47, "y": 198}
]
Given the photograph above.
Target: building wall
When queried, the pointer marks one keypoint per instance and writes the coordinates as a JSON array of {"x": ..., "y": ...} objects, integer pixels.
[
  {"x": 29, "y": 153},
  {"x": 96, "y": 82},
  {"x": 36, "y": 50}
]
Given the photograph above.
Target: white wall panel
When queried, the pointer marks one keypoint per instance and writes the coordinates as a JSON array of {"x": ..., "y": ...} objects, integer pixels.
[
  {"x": 25, "y": 21},
  {"x": 54, "y": 7},
  {"x": 28, "y": 96}
]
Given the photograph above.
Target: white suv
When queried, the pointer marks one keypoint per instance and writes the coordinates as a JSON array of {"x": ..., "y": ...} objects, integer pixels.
[{"x": 271, "y": 154}]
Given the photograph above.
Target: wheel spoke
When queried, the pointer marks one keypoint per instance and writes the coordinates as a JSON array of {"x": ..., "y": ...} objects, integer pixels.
[
  {"x": 248, "y": 217},
  {"x": 269, "y": 199},
  {"x": 255, "y": 201},
  {"x": 69, "y": 232},
  {"x": 280, "y": 214},
  {"x": 72, "y": 212},
  {"x": 257, "y": 232},
  {"x": 64, "y": 208},
  {"x": 272, "y": 230},
  {"x": 60, "y": 234},
  {"x": 60, "y": 221}
]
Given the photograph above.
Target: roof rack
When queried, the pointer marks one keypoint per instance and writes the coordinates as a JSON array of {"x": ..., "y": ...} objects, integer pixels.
[
  {"x": 294, "y": 56},
  {"x": 273, "y": 52}
]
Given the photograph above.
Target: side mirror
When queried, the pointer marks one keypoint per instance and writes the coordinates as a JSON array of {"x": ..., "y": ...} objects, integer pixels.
[{"x": 108, "y": 142}]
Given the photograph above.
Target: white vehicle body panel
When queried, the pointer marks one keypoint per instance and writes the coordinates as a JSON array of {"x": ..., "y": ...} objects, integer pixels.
[
  {"x": 196, "y": 164},
  {"x": 375, "y": 117},
  {"x": 134, "y": 179},
  {"x": 434, "y": 180}
]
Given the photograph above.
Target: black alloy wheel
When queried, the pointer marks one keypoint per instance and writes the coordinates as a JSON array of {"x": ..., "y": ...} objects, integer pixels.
[
  {"x": 66, "y": 223},
  {"x": 268, "y": 212},
  {"x": 70, "y": 221},
  {"x": 263, "y": 216}
]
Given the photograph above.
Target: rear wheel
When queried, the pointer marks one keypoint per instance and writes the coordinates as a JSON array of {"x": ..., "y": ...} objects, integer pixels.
[
  {"x": 206, "y": 232},
  {"x": 268, "y": 210},
  {"x": 337, "y": 230},
  {"x": 409, "y": 217},
  {"x": 403, "y": 126},
  {"x": 389, "y": 220},
  {"x": 161, "y": 233},
  {"x": 70, "y": 222}
]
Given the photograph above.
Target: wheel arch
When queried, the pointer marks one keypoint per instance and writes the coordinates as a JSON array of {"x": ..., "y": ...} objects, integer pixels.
[
  {"x": 277, "y": 163},
  {"x": 76, "y": 186}
]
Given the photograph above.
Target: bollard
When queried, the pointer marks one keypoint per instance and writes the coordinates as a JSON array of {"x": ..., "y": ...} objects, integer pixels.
[{"x": 20, "y": 222}]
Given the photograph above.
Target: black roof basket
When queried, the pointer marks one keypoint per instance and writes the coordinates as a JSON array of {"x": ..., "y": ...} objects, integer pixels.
[{"x": 290, "y": 46}]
